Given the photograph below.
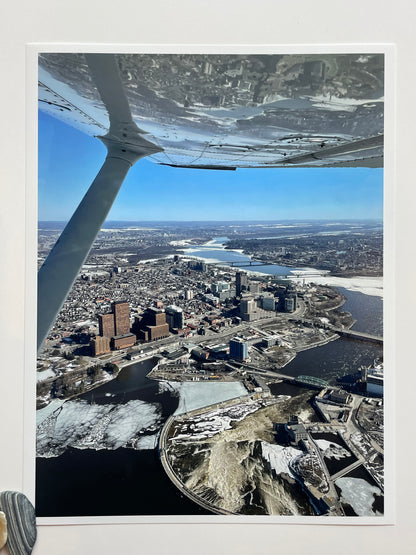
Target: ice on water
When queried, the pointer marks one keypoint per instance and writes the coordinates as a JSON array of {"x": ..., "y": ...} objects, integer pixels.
[
  {"x": 85, "y": 426},
  {"x": 363, "y": 284},
  {"x": 195, "y": 395},
  {"x": 79, "y": 424},
  {"x": 42, "y": 414},
  {"x": 359, "y": 494},
  {"x": 146, "y": 442}
]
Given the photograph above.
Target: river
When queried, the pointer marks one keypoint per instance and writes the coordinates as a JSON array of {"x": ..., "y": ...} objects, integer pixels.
[
  {"x": 132, "y": 482},
  {"x": 214, "y": 251}
]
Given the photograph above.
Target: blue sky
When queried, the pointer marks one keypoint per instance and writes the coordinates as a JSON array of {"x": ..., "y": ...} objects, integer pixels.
[{"x": 69, "y": 160}]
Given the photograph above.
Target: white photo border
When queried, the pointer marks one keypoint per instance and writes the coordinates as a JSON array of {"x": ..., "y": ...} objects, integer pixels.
[{"x": 389, "y": 303}]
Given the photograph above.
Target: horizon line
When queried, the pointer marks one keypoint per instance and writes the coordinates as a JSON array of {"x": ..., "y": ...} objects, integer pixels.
[{"x": 240, "y": 221}]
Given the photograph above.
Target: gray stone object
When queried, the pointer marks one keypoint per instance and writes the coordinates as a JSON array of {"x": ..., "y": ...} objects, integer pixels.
[{"x": 21, "y": 522}]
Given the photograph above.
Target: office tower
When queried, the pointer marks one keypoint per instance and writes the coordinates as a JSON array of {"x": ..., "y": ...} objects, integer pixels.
[
  {"x": 154, "y": 317},
  {"x": 174, "y": 317},
  {"x": 241, "y": 283},
  {"x": 220, "y": 286},
  {"x": 121, "y": 312},
  {"x": 290, "y": 303},
  {"x": 100, "y": 345},
  {"x": 248, "y": 306},
  {"x": 268, "y": 303},
  {"x": 151, "y": 325},
  {"x": 238, "y": 349},
  {"x": 106, "y": 325},
  {"x": 254, "y": 287}
]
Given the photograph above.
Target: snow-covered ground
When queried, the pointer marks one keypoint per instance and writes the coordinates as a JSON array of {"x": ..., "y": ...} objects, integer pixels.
[
  {"x": 332, "y": 450},
  {"x": 323, "y": 444},
  {"x": 146, "y": 260},
  {"x": 367, "y": 285},
  {"x": 45, "y": 374},
  {"x": 279, "y": 456},
  {"x": 181, "y": 243},
  {"x": 359, "y": 494},
  {"x": 215, "y": 421}
]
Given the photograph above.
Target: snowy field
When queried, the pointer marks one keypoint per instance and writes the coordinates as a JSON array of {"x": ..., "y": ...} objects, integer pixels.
[
  {"x": 216, "y": 421},
  {"x": 359, "y": 494},
  {"x": 279, "y": 457},
  {"x": 44, "y": 375},
  {"x": 367, "y": 285},
  {"x": 331, "y": 450}
]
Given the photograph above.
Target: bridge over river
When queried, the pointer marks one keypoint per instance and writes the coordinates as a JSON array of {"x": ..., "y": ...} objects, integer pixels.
[
  {"x": 309, "y": 381},
  {"x": 344, "y": 332},
  {"x": 295, "y": 273}
]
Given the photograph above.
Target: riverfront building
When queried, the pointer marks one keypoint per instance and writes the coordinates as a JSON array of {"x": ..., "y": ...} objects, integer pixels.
[
  {"x": 114, "y": 330},
  {"x": 174, "y": 317},
  {"x": 374, "y": 378},
  {"x": 100, "y": 345},
  {"x": 106, "y": 325},
  {"x": 123, "y": 341},
  {"x": 238, "y": 349},
  {"x": 121, "y": 311},
  {"x": 151, "y": 325},
  {"x": 297, "y": 433}
]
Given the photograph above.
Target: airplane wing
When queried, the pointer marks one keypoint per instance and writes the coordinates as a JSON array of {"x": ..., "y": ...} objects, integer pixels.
[
  {"x": 212, "y": 112},
  {"x": 234, "y": 111}
]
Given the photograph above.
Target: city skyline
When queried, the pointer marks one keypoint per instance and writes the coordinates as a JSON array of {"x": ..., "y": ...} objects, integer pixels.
[{"x": 154, "y": 192}]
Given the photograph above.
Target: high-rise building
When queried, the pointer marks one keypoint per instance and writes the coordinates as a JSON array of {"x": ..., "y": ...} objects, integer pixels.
[
  {"x": 197, "y": 266},
  {"x": 106, "y": 325},
  {"x": 238, "y": 349},
  {"x": 248, "y": 306},
  {"x": 254, "y": 287},
  {"x": 155, "y": 317},
  {"x": 189, "y": 294},
  {"x": 241, "y": 283},
  {"x": 174, "y": 317},
  {"x": 220, "y": 286},
  {"x": 290, "y": 303},
  {"x": 268, "y": 303},
  {"x": 100, "y": 345},
  {"x": 151, "y": 325},
  {"x": 121, "y": 312}
]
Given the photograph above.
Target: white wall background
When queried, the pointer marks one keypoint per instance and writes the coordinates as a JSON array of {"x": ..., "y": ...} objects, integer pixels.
[{"x": 199, "y": 22}]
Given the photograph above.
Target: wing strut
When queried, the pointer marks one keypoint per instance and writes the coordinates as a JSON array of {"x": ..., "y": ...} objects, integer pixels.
[{"x": 125, "y": 145}]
